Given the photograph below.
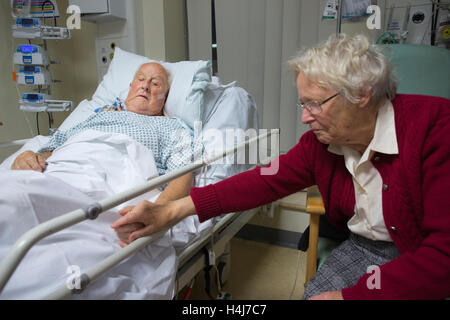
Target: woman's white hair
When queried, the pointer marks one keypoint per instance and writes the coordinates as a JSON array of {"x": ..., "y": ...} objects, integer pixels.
[{"x": 349, "y": 65}]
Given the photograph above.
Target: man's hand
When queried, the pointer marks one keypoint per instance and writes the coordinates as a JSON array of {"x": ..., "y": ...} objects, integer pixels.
[
  {"x": 123, "y": 232},
  {"x": 29, "y": 160},
  {"x": 329, "y": 295}
]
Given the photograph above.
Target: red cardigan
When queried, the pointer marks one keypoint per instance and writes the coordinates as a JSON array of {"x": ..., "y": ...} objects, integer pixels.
[{"x": 416, "y": 197}]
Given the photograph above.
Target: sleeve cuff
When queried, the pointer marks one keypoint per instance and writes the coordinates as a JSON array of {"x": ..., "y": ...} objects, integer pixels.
[{"x": 206, "y": 202}]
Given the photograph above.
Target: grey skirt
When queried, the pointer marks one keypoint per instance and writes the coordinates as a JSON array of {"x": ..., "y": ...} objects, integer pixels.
[{"x": 349, "y": 262}]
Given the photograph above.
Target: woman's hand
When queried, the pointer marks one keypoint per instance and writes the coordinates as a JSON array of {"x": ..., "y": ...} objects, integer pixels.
[
  {"x": 29, "y": 160},
  {"x": 329, "y": 295},
  {"x": 147, "y": 218}
]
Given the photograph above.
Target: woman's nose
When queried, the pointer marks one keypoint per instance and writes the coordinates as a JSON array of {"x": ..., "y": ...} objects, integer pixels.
[{"x": 307, "y": 117}]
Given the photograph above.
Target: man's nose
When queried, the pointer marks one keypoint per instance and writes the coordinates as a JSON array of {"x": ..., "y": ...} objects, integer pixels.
[
  {"x": 146, "y": 85},
  {"x": 307, "y": 117}
]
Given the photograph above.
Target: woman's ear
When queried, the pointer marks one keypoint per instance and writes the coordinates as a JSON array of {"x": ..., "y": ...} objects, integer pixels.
[{"x": 365, "y": 98}]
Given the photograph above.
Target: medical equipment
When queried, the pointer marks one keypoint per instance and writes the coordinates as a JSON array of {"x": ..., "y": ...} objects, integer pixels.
[
  {"x": 37, "y": 98},
  {"x": 39, "y": 102},
  {"x": 31, "y": 28},
  {"x": 408, "y": 23},
  {"x": 21, "y": 8},
  {"x": 34, "y": 8},
  {"x": 443, "y": 25},
  {"x": 31, "y": 54},
  {"x": 33, "y": 60},
  {"x": 33, "y": 75}
]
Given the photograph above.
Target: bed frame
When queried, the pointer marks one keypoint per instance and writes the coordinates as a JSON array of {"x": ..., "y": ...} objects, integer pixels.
[{"x": 191, "y": 260}]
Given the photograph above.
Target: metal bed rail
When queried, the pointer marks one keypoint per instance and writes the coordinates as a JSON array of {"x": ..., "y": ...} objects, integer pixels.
[
  {"x": 15, "y": 255},
  {"x": 15, "y": 143}
]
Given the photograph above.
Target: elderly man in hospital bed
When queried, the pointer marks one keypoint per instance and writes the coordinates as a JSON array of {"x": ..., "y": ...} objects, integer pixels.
[
  {"x": 148, "y": 93},
  {"x": 77, "y": 167}
]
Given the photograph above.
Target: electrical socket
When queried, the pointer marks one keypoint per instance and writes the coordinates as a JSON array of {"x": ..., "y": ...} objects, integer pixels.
[{"x": 105, "y": 52}]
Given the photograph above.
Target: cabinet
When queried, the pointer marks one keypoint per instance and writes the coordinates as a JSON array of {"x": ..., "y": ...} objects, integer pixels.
[{"x": 101, "y": 10}]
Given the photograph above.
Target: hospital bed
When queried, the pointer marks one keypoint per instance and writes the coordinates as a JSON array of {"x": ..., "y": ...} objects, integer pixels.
[{"x": 219, "y": 107}]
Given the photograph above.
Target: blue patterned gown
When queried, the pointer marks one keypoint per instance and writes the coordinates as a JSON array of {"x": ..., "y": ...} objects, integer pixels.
[{"x": 172, "y": 145}]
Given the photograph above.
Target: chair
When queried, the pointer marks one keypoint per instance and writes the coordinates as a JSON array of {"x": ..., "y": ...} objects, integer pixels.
[
  {"x": 317, "y": 242},
  {"x": 416, "y": 65},
  {"x": 315, "y": 207}
]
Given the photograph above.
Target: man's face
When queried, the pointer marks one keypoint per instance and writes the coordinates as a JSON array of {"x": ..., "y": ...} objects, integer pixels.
[
  {"x": 334, "y": 124},
  {"x": 148, "y": 91}
]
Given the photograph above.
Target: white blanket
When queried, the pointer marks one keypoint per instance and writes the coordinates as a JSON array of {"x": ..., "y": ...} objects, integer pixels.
[{"x": 89, "y": 167}]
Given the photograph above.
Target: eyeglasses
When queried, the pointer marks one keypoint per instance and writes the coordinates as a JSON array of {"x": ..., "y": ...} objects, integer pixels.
[{"x": 314, "y": 107}]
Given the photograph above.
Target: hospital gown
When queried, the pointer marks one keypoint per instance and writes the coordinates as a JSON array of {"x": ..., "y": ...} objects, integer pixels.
[{"x": 171, "y": 143}]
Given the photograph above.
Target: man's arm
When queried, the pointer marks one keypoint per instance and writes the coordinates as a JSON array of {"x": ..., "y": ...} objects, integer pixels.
[
  {"x": 176, "y": 189},
  {"x": 29, "y": 160}
]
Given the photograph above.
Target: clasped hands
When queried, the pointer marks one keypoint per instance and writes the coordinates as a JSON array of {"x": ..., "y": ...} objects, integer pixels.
[{"x": 145, "y": 219}]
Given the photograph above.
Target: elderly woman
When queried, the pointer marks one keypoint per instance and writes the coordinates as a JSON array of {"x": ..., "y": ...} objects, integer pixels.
[{"x": 381, "y": 162}]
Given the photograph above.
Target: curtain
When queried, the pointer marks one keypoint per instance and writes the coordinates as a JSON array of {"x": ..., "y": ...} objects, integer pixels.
[{"x": 255, "y": 39}]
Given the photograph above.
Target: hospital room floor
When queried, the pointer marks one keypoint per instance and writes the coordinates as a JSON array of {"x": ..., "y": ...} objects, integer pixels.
[{"x": 259, "y": 271}]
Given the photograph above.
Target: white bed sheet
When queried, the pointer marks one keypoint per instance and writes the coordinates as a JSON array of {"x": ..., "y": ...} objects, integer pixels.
[{"x": 89, "y": 167}]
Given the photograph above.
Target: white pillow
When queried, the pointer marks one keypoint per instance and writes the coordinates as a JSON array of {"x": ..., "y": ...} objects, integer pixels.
[
  {"x": 81, "y": 113},
  {"x": 234, "y": 109}
]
